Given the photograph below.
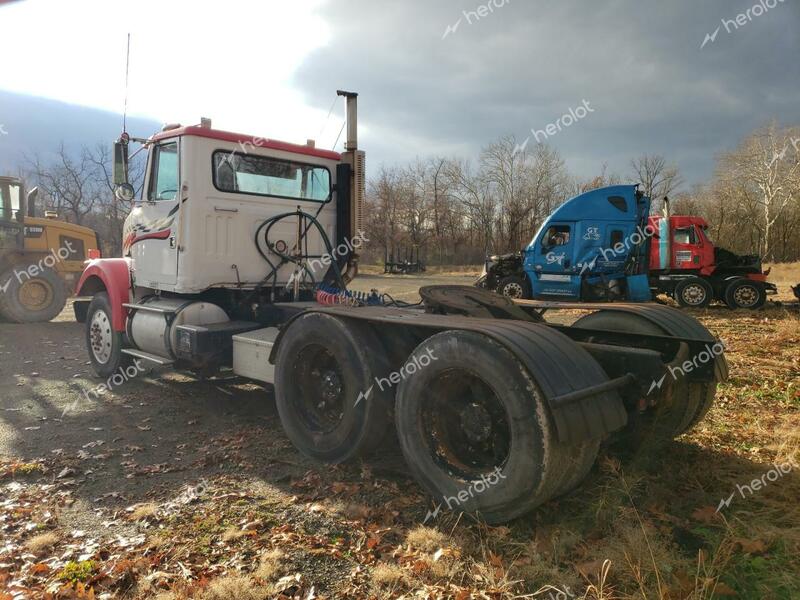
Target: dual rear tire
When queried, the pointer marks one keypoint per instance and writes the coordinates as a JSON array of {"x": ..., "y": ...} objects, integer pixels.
[{"x": 471, "y": 421}]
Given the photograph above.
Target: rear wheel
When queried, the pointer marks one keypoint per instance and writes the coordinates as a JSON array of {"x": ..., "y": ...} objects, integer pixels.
[
  {"x": 694, "y": 292},
  {"x": 514, "y": 287},
  {"x": 679, "y": 408},
  {"x": 744, "y": 293},
  {"x": 327, "y": 387},
  {"x": 476, "y": 433},
  {"x": 31, "y": 298}
]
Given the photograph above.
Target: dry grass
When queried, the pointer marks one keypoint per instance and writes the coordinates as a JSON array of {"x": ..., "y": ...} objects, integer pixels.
[
  {"x": 143, "y": 511},
  {"x": 387, "y": 574},
  {"x": 235, "y": 587},
  {"x": 41, "y": 542},
  {"x": 426, "y": 539},
  {"x": 270, "y": 569}
]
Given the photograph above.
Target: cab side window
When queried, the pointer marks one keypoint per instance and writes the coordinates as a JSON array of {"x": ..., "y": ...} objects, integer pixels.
[
  {"x": 164, "y": 173},
  {"x": 556, "y": 235},
  {"x": 685, "y": 235}
]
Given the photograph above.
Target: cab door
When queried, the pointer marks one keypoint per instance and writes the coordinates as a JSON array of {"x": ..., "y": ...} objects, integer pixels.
[
  {"x": 551, "y": 265},
  {"x": 152, "y": 228}
]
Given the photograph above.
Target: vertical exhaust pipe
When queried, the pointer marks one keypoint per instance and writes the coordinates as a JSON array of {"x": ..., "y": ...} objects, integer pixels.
[
  {"x": 352, "y": 119},
  {"x": 350, "y": 223}
]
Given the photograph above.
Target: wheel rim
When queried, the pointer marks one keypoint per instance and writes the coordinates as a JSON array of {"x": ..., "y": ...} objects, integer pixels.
[
  {"x": 322, "y": 389},
  {"x": 513, "y": 290},
  {"x": 35, "y": 294},
  {"x": 694, "y": 294},
  {"x": 745, "y": 296},
  {"x": 465, "y": 425},
  {"x": 101, "y": 337}
]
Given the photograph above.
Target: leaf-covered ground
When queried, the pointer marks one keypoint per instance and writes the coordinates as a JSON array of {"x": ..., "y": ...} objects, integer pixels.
[{"x": 170, "y": 488}]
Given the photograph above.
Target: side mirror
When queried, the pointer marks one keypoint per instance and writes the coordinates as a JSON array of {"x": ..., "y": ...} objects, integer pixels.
[
  {"x": 124, "y": 192},
  {"x": 121, "y": 161}
]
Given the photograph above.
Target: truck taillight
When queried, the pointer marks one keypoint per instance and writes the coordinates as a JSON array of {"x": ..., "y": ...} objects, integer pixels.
[{"x": 93, "y": 253}]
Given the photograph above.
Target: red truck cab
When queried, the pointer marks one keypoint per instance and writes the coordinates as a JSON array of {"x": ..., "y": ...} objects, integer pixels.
[{"x": 686, "y": 264}]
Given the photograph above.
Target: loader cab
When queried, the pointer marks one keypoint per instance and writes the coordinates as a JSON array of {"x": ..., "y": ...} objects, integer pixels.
[
  {"x": 593, "y": 235},
  {"x": 12, "y": 212}
]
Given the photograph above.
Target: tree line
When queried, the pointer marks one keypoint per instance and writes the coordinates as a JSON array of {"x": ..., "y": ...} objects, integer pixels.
[{"x": 454, "y": 211}]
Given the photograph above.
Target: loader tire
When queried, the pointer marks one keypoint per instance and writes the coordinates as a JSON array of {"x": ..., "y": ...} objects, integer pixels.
[
  {"x": 677, "y": 413},
  {"x": 102, "y": 341},
  {"x": 326, "y": 387},
  {"x": 26, "y": 298},
  {"x": 476, "y": 432}
]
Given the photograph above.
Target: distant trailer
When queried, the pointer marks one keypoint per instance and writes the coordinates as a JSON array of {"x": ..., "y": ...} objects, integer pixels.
[{"x": 402, "y": 262}]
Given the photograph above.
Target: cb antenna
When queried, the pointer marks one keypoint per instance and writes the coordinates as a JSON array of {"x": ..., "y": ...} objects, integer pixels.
[{"x": 127, "y": 69}]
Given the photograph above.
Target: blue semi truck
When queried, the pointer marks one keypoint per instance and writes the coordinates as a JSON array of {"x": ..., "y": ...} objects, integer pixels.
[{"x": 604, "y": 245}]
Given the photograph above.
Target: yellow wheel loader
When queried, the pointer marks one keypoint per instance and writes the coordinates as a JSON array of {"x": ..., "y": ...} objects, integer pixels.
[{"x": 40, "y": 258}]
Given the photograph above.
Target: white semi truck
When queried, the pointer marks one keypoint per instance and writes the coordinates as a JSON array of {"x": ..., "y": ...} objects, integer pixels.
[{"x": 238, "y": 255}]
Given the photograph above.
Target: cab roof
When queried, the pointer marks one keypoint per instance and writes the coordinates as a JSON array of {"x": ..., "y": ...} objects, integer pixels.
[{"x": 246, "y": 141}]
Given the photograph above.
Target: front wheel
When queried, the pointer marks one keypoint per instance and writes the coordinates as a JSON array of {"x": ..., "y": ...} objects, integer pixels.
[
  {"x": 694, "y": 292},
  {"x": 103, "y": 342},
  {"x": 514, "y": 287}
]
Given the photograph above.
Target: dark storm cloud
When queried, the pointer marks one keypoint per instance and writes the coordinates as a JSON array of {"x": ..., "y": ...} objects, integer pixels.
[{"x": 638, "y": 63}]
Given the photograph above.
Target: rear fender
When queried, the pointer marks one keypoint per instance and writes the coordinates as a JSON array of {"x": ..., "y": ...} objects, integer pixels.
[{"x": 113, "y": 276}]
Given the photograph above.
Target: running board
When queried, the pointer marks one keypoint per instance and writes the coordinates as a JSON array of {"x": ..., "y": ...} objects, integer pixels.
[{"x": 154, "y": 358}]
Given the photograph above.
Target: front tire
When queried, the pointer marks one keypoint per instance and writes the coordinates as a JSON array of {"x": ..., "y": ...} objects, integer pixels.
[
  {"x": 694, "y": 292},
  {"x": 31, "y": 298},
  {"x": 514, "y": 287},
  {"x": 102, "y": 341}
]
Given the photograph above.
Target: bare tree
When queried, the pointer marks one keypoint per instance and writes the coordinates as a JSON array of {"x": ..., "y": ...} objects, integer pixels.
[{"x": 657, "y": 178}]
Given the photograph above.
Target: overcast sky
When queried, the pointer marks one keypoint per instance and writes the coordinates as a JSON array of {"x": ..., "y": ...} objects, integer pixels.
[{"x": 435, "y": 78}]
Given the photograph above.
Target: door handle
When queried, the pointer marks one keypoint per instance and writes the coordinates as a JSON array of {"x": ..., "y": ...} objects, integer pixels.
[{"x": 221, "y": 209}]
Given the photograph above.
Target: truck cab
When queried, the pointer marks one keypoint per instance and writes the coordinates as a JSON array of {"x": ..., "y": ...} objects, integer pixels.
[{"x": 583, "y": 249}]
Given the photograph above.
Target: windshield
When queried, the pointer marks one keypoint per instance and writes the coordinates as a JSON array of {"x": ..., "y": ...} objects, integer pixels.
[{"x": 10, "y": 203}]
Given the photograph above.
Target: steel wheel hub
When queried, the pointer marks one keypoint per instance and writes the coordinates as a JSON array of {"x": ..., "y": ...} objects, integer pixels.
[
  {"x": 513, "y": 290},
  {"x": 694, "y": 294},
  {"x": 745, "y": 296},
  {"x": 100, "y": 337}
]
